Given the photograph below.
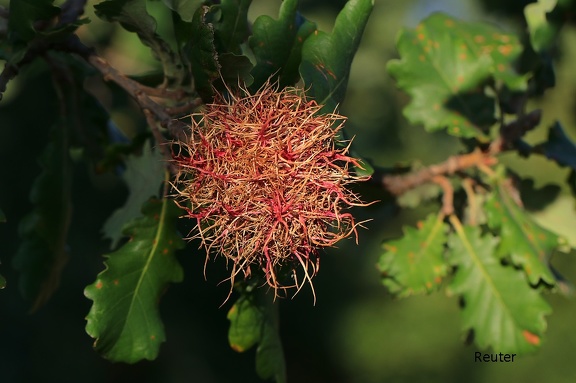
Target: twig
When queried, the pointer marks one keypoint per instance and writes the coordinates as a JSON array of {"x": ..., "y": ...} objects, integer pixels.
[
  {"x": 447, "y": 196},
  {"x": 399, "y": 184}
]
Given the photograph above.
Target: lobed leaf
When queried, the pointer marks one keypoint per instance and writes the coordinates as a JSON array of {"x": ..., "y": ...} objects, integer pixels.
[
  {"x": 134, "y": 17},
  {"x": 528, "y": 245},
  {"x": 327, "y": 58},
  {"x": 253, "y": 321},
  {"x": 499, "y": 305},
  {"x": 415, "y": 263},
  {"x": 277, "y": 45},
  {"x": 443, "y": 64},
  {"x": 124, "y": 317},
  {"x": 43, "y": 252},
  {"x": 144, "y": 174}
]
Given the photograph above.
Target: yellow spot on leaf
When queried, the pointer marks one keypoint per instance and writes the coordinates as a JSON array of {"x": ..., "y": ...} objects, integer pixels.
[
  {"x": 501, "y": 67},
  {"x": 165, "y": 251},
  {"x": 421, "y": 36},
  {"x": 479, "y": 39},
  {"x": 449, "y": 23},
  {"x": 99, "y": 285},
  {"x": 421, "y": 58},
  {"x": 505, "y": 49},
  {"x": 390, "y": 248},
  {"x": 531, "y": 338},
  {"x": 237, "y": 348},
  {"x": 463, "y": 56},
  {"x": 428, "y": 285},
  {"x": 116, "y": 282},
  {"x": 152, "y": 337}
]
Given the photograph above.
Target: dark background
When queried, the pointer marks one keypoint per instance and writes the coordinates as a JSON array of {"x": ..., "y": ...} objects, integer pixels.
[{"x": 356, "y": 332}]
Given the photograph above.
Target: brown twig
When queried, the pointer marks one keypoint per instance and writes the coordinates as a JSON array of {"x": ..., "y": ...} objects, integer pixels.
[
  {"x": 447, "y": 196},
  {"x": 176, "y": 128},
  {"x": 399, "y": 184}
]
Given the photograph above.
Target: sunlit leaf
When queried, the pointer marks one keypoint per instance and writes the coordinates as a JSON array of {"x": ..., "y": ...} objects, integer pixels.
[
  {"x": 144, "y": 174},
  {"x": 443, "y": 64},
  {"x": 124, "y": 318},
  {"x": 542, "y": 33},
  {"x": 253, "y": 321},
  {"x": 527, "y": 244},
  {"x": 499, "y": 305},
  {"x": 415, "y": 263},
  {"x": 327, "y": 57},
  {"x": 276, "y": 43},
  {"x": 43, "y": 250}
]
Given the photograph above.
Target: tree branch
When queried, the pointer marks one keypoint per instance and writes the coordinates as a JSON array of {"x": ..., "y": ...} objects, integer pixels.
[{"x": 399, "y": 184}]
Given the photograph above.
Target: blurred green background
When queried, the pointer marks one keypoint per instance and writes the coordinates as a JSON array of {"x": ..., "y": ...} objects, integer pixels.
[{"x": 356, "y": 332}]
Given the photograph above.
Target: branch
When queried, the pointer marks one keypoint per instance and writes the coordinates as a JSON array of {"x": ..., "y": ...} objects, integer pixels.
[
  {"x": 399, "y": 184},
  {"x": 139, "y": 92}
]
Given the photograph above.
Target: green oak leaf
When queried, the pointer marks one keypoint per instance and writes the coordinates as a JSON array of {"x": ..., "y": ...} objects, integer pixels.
[
  {"x": 277, "y": 45},
  {"x": 415, "y": 263},
  {"x": 43, "y": 251},
  {"x": 326, "y": 58},
  {"x": 499, "y": 305},
  {"x": 134, "y": 17},
  {"x": 124, "y": 317},
  {"x": 231, "y": 25},
  {"x": 184, "y": 8},
  {"x": 201, "y": 53},
  {"x": 526, "y": 244},
  {"x": 542, "y": 33},
  {"x": 253, "y": 320},
  {"x": 144, "y": 174},
  {"x": 23, "y": 14},
  {"x": 235, "y": 68},
  {"x": 443, "y": 64}
]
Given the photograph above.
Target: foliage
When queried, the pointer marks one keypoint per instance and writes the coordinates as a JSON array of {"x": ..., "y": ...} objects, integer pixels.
[{"x": 263, "y": 168}]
